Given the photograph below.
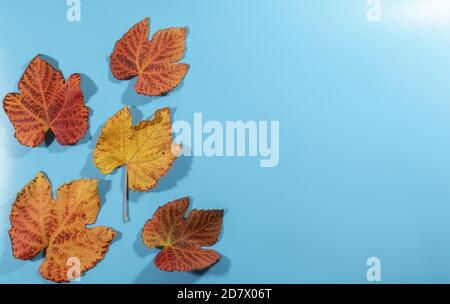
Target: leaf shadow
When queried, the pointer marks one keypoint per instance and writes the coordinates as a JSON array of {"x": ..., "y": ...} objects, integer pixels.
[
  {"x": 88, "y": 87},
  {"x": 104, "y": 186},
  {"x": 89, "y": 169},
  {"x": 18, "y": 150},
  {"x": 178, "y": 172},
  {"x": 110, "y": 75},
  {"x": 8, "y": 263},
  {"x": 137, "y": 115},
  {"x": 118, "y": 237},
  {"x": 50, "y": 59},
  {"x": 139, "y": 247},
  {"x": 131, "y": 97},
  {"x": 152, "y": 275}
]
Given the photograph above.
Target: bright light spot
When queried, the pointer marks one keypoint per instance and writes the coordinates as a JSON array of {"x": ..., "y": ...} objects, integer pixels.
[{"x": 424, "y": 11}]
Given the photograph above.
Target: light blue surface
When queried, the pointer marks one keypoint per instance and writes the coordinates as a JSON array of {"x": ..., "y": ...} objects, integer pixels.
[{"x": 364, "y": 111}]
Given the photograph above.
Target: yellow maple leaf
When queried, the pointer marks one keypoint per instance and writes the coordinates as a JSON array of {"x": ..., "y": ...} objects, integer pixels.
[
  {"x": 39, "y": 223},
  {"x": 145, "y": 150}
]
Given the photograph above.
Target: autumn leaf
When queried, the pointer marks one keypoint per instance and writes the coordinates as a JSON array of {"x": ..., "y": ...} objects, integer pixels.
[
  {"x": 154, "y": 62},
  {"x": 181, "y": 238},
  {"x": 58, "y": 227},
  {"x": 145, "y": 150},
  {"x": 47, "y": 102}
]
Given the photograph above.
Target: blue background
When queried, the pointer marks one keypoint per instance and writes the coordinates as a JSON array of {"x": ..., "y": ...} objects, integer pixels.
[{"x": 364, "y": 111}]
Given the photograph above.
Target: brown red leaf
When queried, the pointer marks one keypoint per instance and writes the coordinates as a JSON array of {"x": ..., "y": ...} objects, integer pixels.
[
  {"x": 154, "y": 62},
  {"x": 39, "y": 223},
  {"x": 47, "y": 102},
  {"x": 182, "y": 238}
]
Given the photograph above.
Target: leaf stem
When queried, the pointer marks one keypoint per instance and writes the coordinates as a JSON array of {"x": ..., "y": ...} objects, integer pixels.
[{"x": 125, "y": 196}]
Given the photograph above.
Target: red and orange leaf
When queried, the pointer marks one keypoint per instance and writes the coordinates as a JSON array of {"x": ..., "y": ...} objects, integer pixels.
[
  {"x": 182, "y": 238},
  {"x": 47, "y": 102},
  {"x": 58, "y": 227},
  {"x": 154, "y": 62}
]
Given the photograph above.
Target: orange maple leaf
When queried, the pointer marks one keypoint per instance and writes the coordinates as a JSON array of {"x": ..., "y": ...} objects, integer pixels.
[
  {"x": 181, "y": 238},
  {"x": 39, "y": 223},
  {"x": 153, "y": 62},
  {"x": 47, "y": 102}
]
